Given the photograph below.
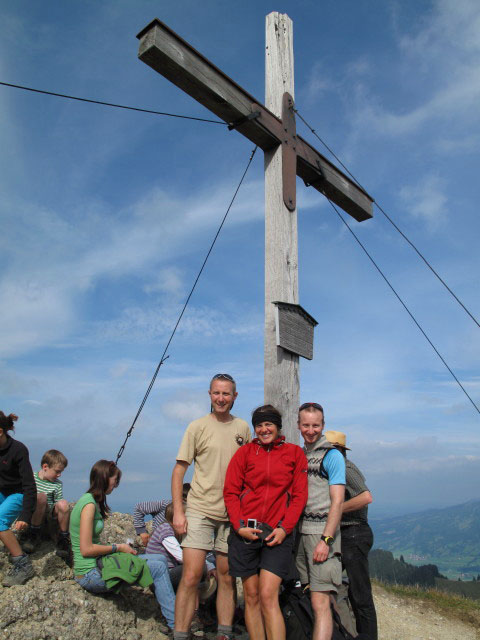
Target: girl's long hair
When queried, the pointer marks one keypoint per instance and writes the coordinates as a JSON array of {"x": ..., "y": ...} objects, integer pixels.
[{"x": 100, "y": 475}]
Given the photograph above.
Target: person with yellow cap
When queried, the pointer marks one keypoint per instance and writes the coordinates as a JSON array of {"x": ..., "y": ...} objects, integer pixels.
[{"x": 357, "y": 540}]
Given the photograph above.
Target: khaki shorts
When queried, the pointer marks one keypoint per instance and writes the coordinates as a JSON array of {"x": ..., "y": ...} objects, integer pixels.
[
  {"x": 322, "y": 576},
  {"x": 205, "y": 533}
]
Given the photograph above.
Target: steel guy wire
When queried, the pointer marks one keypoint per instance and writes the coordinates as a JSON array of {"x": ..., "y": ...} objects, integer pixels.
[
  {"x": 110, "y": 104},
  {"x": 164, "y": 356},
  {"x": 417, "y": 251},
  {"x": 403, "y": 304}
]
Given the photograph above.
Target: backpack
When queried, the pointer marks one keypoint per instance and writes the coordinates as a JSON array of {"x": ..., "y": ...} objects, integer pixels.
[
  {"x": 339, "y": 631},
  {"x": 297, "y": 612}
]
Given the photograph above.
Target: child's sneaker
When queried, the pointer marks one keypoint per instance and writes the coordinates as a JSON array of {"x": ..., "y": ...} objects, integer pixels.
[
  {"x": 30, "y": 539},
  {"x": 21, "y": 571},
  {"x": 63, "y": 548}
]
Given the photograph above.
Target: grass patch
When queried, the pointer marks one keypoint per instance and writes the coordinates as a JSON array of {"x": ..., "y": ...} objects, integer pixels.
[{"x": 448, "y": 604}]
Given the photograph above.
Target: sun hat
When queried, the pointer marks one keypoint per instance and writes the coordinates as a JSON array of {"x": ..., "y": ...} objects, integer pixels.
[
  {"x": 207, "y": 588},
  {"x": 338, "y": 438}
]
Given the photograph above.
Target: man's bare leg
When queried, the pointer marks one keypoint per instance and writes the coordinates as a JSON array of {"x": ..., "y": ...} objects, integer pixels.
[
  {"x": 193, "y": 565},
  {"x": 323, "y": 627},
  {"x": 226, "y": 592}
]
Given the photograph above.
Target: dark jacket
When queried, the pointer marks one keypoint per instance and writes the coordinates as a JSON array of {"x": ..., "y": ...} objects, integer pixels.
[{"x": 16, "y": 476}]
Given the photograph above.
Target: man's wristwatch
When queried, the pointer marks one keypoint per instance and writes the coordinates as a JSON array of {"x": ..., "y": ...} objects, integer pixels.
[{"x": 328, "y": 540}]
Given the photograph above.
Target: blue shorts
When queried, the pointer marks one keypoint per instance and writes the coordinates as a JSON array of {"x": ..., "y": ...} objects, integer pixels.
[{"x": 10, "y": 508}]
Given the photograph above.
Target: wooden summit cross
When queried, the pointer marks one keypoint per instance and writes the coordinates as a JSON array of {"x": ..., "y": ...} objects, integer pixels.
[{"x": 288, "y": 327}]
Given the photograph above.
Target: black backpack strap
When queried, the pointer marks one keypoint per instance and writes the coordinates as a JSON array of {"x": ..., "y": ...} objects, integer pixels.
[{"x": 323, "y": 471}]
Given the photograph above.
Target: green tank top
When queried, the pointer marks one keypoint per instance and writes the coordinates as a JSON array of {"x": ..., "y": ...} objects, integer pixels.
[{"x": 82, "y": 565}]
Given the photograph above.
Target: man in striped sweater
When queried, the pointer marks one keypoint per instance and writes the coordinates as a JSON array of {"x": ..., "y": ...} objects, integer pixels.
[
  {"x": 50, "y": 502},
  {"x": 319, "y": 550}
]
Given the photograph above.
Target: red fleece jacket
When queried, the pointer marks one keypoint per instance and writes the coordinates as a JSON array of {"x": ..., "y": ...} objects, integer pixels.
[{"x": 268, "y": 483}]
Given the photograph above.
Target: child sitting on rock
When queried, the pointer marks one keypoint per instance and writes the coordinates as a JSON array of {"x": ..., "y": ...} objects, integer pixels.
[
  {"x": 50, "y": 502},
  {"x": 164, "y": 542},
  {"x": 17, "y": 499},
  {"x": 86, "y": 525},
  {"x": 156, "y": 509}
]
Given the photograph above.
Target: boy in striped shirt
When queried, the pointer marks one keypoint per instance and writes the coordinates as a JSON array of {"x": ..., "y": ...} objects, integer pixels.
[{"x": 50, "y": 502}]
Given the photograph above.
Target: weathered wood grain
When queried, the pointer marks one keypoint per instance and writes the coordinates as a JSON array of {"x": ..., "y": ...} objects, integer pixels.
[
  {"x": 281, "y": 376},
  {"x": 168, "y": 54},
  {"x": 294, "y": 331}
]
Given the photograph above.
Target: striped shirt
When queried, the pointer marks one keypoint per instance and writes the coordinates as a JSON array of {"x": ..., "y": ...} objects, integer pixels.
[
  {"x": 355, "y": 486},
  {"x": 154, "y": 508},
  {"x": 53, "y": 490},
  {"x": 156, "y": 543}
]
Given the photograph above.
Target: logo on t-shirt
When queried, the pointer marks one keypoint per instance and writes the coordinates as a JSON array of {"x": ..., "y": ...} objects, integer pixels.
[{"x": 239, "y": 439}]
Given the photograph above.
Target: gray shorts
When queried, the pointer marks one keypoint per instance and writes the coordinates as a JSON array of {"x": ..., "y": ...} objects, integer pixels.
[
  {"x": 205, "y": 533},
  {"x": 321, "y": 576}
]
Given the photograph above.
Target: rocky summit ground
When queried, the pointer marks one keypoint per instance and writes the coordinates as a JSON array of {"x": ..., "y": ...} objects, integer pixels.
[
  {"x": 52, "y": 606},
  {"x": 401, "y": 618}
]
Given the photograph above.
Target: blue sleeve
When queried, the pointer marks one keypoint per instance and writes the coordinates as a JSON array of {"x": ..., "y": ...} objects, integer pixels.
[{"x": 334, "y": 464}]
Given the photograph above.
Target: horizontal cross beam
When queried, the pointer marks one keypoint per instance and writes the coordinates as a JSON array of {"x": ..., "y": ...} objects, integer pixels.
[{"x": 175, "y": 59}]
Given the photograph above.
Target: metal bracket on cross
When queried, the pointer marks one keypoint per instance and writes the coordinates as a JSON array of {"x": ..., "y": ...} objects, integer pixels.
[{"x": 240, "y": 121}]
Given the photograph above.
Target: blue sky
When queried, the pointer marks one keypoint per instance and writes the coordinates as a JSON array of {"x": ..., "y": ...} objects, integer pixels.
[{"x": 106, "y": 216}]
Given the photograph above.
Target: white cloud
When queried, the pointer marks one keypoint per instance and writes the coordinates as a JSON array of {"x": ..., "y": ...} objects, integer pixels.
[
  {"x": 169, "y": 281},
  {"x": 427, "y": 200},
  {"x": 53, "y": 263},
  {"x": 453, "y": 21},
  {"x": 437, "y": 89},
  {"x": 185, "y": 410},
  {"x": 318, "y": 83},
  {"x": 144, "y": 324},
  {"x": 119, "y": 369}
]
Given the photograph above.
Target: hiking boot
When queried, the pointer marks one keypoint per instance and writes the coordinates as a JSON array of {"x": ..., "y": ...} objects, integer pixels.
[
  {"x": 21, "y": 571},
  {"x": 63, "y": 548},
  {"x": 197, "y": 624},
  {"x": 30, "y": 539}
]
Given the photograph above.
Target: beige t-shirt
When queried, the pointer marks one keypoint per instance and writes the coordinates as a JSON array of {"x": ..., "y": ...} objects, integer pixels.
[{"x": 211, "y": 444}]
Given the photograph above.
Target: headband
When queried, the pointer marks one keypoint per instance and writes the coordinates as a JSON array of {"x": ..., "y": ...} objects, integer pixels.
[{"x": 266, "y": 416}]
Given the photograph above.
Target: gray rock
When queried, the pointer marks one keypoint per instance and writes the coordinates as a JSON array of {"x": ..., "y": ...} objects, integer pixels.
[{"x": 52, "y": 606}]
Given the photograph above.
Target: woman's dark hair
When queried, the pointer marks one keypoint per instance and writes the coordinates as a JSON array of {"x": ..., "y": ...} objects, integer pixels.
[
  {"x": 267, "y": 413},
  {"x": 100, "y": 475},
  {"x": 6, "y": 422}
]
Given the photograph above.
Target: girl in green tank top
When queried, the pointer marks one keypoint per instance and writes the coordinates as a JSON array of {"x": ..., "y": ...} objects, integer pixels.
[{"x": 86, "y": 520}]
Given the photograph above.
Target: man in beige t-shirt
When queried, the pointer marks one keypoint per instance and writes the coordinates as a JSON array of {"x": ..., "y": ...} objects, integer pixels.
[{"x": 210, "y": 442}]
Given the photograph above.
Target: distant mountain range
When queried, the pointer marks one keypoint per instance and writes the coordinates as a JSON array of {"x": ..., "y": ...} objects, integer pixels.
[{"x": 449, "y": 538}]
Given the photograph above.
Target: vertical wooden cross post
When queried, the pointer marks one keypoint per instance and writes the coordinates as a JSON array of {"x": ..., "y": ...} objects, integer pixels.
[
  {"x": 288, "y": 327},
  {"x": 281, "y": 372}
]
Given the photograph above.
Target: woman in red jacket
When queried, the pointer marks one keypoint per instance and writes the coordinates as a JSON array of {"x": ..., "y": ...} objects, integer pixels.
[{"x": 265, "y": 492}]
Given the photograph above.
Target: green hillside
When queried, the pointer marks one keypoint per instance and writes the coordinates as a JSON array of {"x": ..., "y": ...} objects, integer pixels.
[{"x": 448, "y": 538}]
